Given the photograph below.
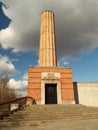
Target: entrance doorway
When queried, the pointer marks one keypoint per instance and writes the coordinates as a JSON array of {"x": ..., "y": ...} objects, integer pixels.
[{"x": 50, "y": 93}]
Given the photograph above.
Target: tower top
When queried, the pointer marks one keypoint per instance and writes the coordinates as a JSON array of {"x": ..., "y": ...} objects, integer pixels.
[{"x": 47, "y": 11}]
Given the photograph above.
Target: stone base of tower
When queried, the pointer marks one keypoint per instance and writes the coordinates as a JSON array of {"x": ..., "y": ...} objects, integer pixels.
[{"x": 53, "y": 85}]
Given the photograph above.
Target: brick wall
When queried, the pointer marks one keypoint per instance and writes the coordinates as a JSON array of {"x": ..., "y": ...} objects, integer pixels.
[{"x": 34, "y": 81}]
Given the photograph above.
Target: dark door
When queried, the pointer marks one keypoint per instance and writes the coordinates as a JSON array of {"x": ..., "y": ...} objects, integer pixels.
[{"x": 50, "y": 93}]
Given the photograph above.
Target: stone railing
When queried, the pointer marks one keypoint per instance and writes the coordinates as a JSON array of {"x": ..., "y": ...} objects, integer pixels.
[{"x": 9, "y": 107}]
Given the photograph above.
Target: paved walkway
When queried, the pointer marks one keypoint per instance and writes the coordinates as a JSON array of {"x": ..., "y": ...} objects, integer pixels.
[{"x": 59, "y": 125}]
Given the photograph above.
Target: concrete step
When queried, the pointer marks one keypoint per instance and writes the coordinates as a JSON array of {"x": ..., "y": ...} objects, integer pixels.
[{"x": 49, "y": 113}]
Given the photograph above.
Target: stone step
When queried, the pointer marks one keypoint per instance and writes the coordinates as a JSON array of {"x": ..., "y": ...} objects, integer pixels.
[{"x": 49, "y": 113}]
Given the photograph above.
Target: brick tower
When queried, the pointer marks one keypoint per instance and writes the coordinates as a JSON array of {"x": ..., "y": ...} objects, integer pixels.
[
  {"x": 48, "y": 83},
  {"x": 47, "y": 52}
]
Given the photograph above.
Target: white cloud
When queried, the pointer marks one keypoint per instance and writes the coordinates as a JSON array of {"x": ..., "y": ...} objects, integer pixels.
[
  {"x": 14, "y": 60},
  {"x": 19, "y": 86},
  {"x": 63, "y": 62},
  {"x": 76, "y": 25},
  {"x": 21, "y": 33},
  {"x": 25, "y": 76},
  {"x": 66, "y": 63},
  {"x": 6, "y": 66}
]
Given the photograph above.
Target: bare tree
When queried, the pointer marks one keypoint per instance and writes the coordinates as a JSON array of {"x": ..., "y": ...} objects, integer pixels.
[{"x": 6, "y": 94}]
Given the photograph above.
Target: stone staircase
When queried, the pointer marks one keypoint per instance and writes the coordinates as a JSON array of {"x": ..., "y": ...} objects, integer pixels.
[{"x": 37, "y": 114}]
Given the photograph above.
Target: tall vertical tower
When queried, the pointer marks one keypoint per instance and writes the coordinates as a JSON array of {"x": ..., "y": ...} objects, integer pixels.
[
  {"x": 47, "y": 52},
  {"x": 47, "y": 82}
]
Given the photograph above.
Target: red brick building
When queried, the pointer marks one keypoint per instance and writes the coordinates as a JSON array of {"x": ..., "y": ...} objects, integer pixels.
[{"x": 48, "y": 83}]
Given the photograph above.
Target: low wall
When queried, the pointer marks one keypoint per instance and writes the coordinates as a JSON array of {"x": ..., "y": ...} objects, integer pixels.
[{"x": 86, "y": 93}]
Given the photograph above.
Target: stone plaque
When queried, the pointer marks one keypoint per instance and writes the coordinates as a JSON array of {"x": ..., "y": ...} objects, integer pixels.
[{"x": 50, "y": 75}]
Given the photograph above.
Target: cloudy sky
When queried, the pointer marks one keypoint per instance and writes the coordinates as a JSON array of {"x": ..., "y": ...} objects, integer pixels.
[{"x": 76, "y": 23}]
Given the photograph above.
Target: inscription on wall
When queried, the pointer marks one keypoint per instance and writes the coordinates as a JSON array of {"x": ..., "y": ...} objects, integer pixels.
[{"x": 50, "y": 75}]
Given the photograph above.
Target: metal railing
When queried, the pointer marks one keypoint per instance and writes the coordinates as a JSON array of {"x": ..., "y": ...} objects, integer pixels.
[{"x": 5, "y": 107}]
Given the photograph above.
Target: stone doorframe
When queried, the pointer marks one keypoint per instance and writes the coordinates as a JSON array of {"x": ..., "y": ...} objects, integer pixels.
[{"x": 43, "y": 82}]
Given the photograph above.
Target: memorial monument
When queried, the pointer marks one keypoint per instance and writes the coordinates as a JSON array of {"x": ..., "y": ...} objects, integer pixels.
[{"x": 47, "y": 82}]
